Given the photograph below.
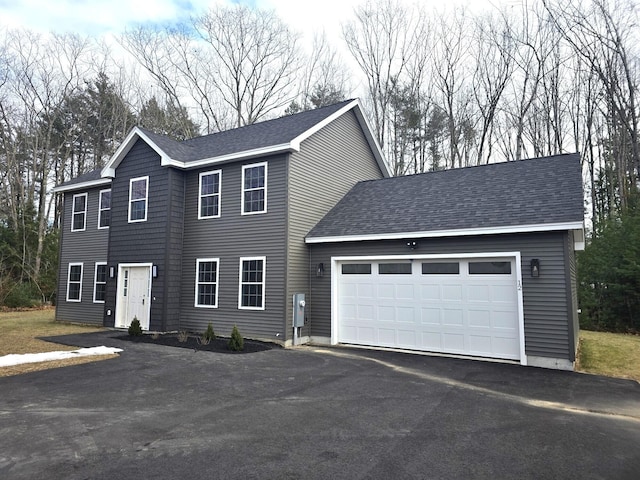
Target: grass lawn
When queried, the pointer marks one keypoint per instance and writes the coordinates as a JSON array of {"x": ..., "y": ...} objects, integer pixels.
[
  {"x": 18, "y": 332},
  {"x": 610, "y": 354}
]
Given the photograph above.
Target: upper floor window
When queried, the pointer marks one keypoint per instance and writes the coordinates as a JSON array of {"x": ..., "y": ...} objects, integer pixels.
[
  {"x": 207, "y": 282},
  {"x": 252, "y": 282},
  {"x": 104, "y": 210},
  {"x": 254, "y": 188},
  {"x": 138, "y": 192},
  {"x": 209, "y": 197},
  {"x": 79, "y": 212},
  {"x": 74, "y": 282},
  {"x": 100, "y": 283}
]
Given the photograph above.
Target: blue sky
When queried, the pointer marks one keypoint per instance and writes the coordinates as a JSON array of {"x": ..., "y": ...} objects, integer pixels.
[{"x": 103, "y": 17}]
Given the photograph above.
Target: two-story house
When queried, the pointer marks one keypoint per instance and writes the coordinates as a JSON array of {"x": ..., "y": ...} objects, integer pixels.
[
  {"x": 227, "y": 228},
  {"x": 180, "y": 234}
]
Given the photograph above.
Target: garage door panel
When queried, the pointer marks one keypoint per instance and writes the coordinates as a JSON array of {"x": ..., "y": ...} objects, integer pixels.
[
  {"x": 451, "y": 293},
  {"x": 456, "y": 312}
]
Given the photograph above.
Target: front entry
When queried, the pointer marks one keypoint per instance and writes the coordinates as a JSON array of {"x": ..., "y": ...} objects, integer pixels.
[{"x": 133, "y": 300}]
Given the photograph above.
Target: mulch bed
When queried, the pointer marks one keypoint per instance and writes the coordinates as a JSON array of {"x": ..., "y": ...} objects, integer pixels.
[{"x": 219, "y": 345}]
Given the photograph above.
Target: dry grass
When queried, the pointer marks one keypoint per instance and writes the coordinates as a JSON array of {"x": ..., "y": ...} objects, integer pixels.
[
  {"x": 18, "y": 335},
  {"x": 610, "y": 354}
]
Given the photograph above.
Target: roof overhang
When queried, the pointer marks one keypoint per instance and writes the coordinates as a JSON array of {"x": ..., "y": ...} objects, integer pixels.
[
  {"x": 576, "y": 227},
  {"x": 244, "y": 155},
  {"x": 81, "y": 185},
  {"x": 109, "y": 169}
]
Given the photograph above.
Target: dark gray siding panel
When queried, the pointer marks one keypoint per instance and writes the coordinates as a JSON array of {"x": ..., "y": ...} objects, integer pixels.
[
  {"x": 146, "y": 242},
  {"x": 86, "y": 247},
  {"x": 328, "y": 164},
  {"x": 546, "y": 318},
  {"x": 230, "y": 237}
]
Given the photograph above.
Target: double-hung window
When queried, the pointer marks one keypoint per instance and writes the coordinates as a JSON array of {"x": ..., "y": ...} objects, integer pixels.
[
  {"x": 209, "y": 196},
  {"x": 79, "y": 212},
  {"x": 74, "y": 282},
  {"x": 138, "y": 196},
  {"x": 252, "y": 282},
  {"x": 100, "y": 283},
  {"x": 254, "y": 188},
  {"x": 207, "y": 282},
  {"x": 104, "y": 209}
]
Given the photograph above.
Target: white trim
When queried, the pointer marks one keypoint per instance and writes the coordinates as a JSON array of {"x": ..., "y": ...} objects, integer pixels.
[
  {"x": 73, "y": 211},
  {"x": 81, "y": 185},
  {"x": 195, "y": 300},
  {"x": 100, "y": 209},
  {"x": 219, "y": 194},
  {"x": 335, "y": 261},
  {"x": 244, "y": 168},
  {"x": 109, "y": 169},
  {"x": 463, "y": 232},
  {"x": 244, "y": 155},
  {"x": 578, "y": 239},
  {"x": 264, "y": 283},
  {"x": 146, "y": 198},
  {"x": 75, "y": 264},
  {"x": 95, "y": 280}
]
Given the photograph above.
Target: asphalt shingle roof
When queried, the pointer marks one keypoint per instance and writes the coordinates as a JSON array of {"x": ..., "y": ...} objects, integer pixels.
[
  {"x": 538, "y": 191},
  {"x": 258, "y": 135}
]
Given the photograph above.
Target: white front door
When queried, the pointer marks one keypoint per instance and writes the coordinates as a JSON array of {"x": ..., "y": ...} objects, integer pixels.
[{"x": 134, "y": 288}]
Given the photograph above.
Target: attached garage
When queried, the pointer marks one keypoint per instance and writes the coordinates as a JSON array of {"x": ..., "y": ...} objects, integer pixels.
[
  {"x": 467, "y": 305},
  {"x": 477, "y": 262}
]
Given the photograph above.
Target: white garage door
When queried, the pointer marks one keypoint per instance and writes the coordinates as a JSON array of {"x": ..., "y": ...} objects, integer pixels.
[{"x": 463, "y": 306}]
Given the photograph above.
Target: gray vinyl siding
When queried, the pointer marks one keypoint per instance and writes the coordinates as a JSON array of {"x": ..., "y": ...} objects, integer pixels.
[
  {"x": 328, "y": 165},
  {"x": 230, "y": 237},
  {"x": 147, "y": 242},
  {"x": 547, "y": 321},
  {"x": 86, "y": 247}
]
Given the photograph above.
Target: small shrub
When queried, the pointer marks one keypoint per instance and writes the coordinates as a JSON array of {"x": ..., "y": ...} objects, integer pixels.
[
  {"x": 236, "y": 342},
  {"x": 209, "y": 333},
  {"x": 155, "y": 335},
  {"x": 183, "y": 336},
  {"x": 22, "y": 295},
  {"x": 135, "y": 329}
]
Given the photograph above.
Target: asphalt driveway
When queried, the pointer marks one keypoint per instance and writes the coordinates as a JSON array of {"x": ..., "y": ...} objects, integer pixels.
[{"x": 313, "y": 413}]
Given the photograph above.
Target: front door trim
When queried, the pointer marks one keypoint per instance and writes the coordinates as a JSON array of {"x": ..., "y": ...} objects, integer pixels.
[{"x": 120, "y": 308}]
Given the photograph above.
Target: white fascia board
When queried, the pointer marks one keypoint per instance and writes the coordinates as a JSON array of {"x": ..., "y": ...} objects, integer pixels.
[
  {"x": 244, "y": 155},
  {"x": 578, "y": 239},
  {"x": 550, "y": 227},
  {"x": 109, "y": 170},
  {"x": 82, "y": 185},
  {"x": 320, "y": 125}
]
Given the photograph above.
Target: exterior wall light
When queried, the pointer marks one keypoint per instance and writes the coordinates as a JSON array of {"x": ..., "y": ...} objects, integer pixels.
[
  {"x": 535, "y": 267},
  {"x": 154, "y": 271},
  {"x": 412, "y": 244},
  {"x": 112, "y": 272},
  {"x": 320, "y": 270}
]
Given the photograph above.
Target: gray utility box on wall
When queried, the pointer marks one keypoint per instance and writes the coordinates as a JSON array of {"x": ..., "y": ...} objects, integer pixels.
[{"x": 298, "y": 309}]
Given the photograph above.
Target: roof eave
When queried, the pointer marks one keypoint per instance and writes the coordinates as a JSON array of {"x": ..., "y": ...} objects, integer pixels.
[
  {"x": 244, "y": 155},
  {"x": 81, "y": 185},
  {"x": 577, "y": 226}
]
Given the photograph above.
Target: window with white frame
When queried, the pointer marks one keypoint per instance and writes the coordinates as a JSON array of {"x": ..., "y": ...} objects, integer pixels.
[
  {"x": 254, "y": 188},
  {"x": 79, "y": 212},
  {"x": 207, "y": 282},
  {"x": 74, "y": 282},
  {"x": 138, "y": 192},
  {"x": 100, "y": 282},
  {"x": 252, "y": 282},
  {"x": 209, "y": 196},
  {"x": 104, "y": 209}
]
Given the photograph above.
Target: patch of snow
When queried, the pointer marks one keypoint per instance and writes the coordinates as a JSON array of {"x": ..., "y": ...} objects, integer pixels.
[{"x": 17, "y": 359}]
